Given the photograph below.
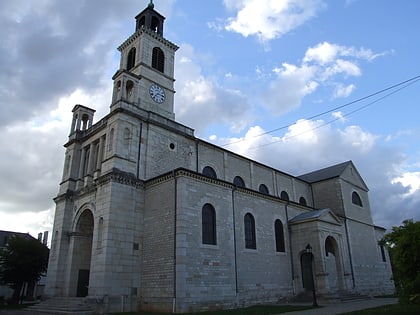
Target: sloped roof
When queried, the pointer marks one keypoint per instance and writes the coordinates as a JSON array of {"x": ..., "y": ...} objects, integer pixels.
[
  {"x": 325, "y": 173},
  {"x": 314, "y": 215}
]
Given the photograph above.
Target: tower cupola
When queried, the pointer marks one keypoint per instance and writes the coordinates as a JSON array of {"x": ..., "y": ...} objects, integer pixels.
[{"x": 150, "y": 19}]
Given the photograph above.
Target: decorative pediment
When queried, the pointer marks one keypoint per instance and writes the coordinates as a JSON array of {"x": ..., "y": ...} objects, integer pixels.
[
  {"x": 324, "y": 215},
  {"x": 346, "y": 171}
]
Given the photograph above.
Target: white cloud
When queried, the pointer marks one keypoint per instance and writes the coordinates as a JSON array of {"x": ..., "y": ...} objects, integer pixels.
[
  {"x": 201, "y": 101},
  {"x": 410, "y": 180},
  {"x": 305, "y": 146},
  {"x": 339, "y": 116},
  {"x": 269, "y": 19},
  {"x": 343, "y": 91},
  {"x": 325, "y": 65},
  {"x": 291, "y": 85},
  {"x": 325, "y": 53}
]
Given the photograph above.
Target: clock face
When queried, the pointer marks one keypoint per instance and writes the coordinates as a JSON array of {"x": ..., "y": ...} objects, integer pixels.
[{"x": 157, "y": 93}]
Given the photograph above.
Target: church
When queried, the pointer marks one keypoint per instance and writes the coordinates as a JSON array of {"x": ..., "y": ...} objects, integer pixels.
[{"x": 150, "y": 217}]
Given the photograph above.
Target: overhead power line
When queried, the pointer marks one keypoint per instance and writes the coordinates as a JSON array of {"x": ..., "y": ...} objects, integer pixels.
[{"x": 402, "y": 85}]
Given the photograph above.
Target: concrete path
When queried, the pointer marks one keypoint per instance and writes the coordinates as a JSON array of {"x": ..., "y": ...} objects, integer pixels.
[
  {"x": 326, "y": 309},
  {"x": 346, "y": 307}
]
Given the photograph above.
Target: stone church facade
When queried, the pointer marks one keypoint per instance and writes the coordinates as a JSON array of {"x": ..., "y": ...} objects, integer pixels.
[{"x": 150, "y": 217}]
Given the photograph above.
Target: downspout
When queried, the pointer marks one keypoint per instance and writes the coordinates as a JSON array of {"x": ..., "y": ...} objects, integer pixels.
[
  {"x": 234, "y": 240},
  {"x": 292, "y": 269},
  {"x": 138, "y": 155},
  {"x": 349, "y": 249},
  {"x": 175, "y": 224}
]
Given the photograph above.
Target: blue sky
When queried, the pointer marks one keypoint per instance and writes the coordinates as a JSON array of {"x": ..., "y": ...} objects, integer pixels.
[{"x": 244, "y": 68}]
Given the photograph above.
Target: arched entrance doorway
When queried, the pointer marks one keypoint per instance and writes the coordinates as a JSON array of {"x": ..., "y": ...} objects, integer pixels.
[
  {"x": 333, "y": 266},
  {"x": 82, "y": 253}
]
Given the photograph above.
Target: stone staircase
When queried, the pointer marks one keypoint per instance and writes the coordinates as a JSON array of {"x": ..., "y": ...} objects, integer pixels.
[
  {"x": 342, "y": 296},
  {"x": 61, "y": 306},
  {"x": 349, "y": 296}
]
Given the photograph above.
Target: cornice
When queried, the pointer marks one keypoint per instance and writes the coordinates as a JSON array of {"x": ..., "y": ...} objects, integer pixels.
[
  {"x": 120, "y": 177},
  {"x": 149, "y": 32}
]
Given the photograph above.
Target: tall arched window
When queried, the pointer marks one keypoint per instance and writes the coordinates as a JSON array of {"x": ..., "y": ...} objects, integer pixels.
[
  {"x": 208, "y": 221},
  {"x": 238, "y": 181},
  {"x": 249, "y": 225},
  {"x": 302, "y": 201},
  {"x": 209, "y": 172},
  {"x": 284, "y": 195},
  {"x": 355, "y": 199},
  {"x": 131, "y": 58},
  {"x": 158, "y": 59},
  {"x": 278, "y": 230}
]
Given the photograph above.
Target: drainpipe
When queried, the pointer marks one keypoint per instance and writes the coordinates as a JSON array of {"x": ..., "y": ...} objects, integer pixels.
[
  {"x": 175, "y": 242},
  {"x": 234, "y": 239},
  {"x": 290, "y": 249}
]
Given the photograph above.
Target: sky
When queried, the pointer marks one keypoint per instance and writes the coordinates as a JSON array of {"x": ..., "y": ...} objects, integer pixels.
[{"x": 298, "y": 85}]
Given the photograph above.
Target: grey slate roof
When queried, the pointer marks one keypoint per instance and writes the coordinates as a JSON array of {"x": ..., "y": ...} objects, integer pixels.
[
  {"x": 325, "y": 173},
  {"x": 314, "y": 215},
  {"x": 309, "y": 215}
]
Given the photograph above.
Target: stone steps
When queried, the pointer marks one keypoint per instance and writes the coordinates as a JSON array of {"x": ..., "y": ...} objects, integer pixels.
[
  {"x": 62, "y": 306},
  {"x": 348, "y": 296}
]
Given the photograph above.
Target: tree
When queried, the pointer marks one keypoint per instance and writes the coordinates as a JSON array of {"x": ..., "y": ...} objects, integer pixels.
[
  {"x": 23, "y": 260},
  {"x": 403, "y": 244}
]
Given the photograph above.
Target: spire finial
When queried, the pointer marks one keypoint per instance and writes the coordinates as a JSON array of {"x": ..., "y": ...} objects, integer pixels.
[{"x": 151, "y": 5}]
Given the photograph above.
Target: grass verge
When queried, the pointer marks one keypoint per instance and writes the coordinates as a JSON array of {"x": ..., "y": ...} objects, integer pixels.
[{"x": 396, "y": 309}]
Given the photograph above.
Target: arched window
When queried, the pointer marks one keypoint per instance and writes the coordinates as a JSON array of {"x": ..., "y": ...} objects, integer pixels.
[
  {"x": 263, "y": 189},
  {"x": 238, "y": 181},
  {"x": 129, "y": 89},
  {"x": 208, "y": 221},
  {"x": 284, "y": 195},
  {"x": 302, "y": 201},
  {"x": 355, "y": 199},
  {"x": 278, "y": 230},
  {"x": 131, "y": 58},
  {"x": 158, "y": 59},
  {"x": 85, "y": 122},
  {"x": 141, "y": 22},
  {"x": 329, "y": 246},
  {"x": 155, "y": 24},
  {"x": 117, "y": 90},
  {"x": 249, "y": 225},
  {"x": 209, "y": 172}
]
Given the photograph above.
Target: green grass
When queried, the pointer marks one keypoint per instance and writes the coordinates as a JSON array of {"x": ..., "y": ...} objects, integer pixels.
[
  {"x": 253, "y": 310},
  {"x": 396, "y": 309}
]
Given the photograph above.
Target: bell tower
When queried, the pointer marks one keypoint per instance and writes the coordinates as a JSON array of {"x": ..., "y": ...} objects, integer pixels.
[{"x": 145, "y": 78}]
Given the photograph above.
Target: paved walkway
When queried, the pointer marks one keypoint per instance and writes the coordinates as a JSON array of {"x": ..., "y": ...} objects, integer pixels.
[
  {"x": 326, "y": 309},
  {"x": 346, "y": 307}
]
